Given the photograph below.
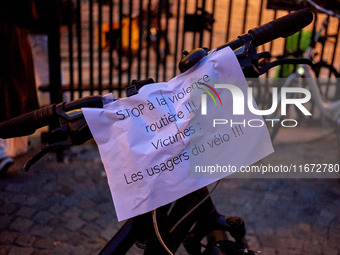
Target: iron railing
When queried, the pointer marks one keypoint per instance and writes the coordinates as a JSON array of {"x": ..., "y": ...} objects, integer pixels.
[{"x": 146, "y": 38}]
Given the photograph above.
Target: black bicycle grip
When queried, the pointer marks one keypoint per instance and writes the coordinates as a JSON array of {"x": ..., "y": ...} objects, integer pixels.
[
  {"x": 281, "y": 27},
  {"x": 27, "y": 123}
]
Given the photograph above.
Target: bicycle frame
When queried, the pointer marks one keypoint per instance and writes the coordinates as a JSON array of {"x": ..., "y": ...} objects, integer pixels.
[{"x": 138, "y": 228}]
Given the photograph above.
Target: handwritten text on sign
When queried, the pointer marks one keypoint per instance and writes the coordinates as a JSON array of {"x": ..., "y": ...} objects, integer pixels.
[{"x": 149, "y": 142}]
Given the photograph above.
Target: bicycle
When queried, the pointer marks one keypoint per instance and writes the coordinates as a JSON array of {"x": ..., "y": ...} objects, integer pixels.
[
  {"x": 303, "y": 76},
  {"x": 192, "y": 217}
]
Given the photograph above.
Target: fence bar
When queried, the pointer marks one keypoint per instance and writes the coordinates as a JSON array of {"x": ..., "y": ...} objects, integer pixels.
[
  {"x": 166, "y": 41},
  {"x": 212, "y": 27},
  {"x": 314, "y": 24},
  {"x": 140, "y": 24},
  {"x": 111, "y": 66},
  {"x": 260, "y": 13},
  {"x": 202, "y": 31},
  {"x": 91, "y": 78},
  {"x": 177, "y": 37},
  {"x": 80, "y": 77},
  {"x": 229, "y": 21},
  {"x": 329, "y": 71},
  {"x": 70, "y": 49},
  {"x": 158, "y": 15},
  {"x": 120, "y": 49},
  {"x": 271, "y": 42},
  {"x": 194, "y": 33},
  {"x": 313, "y": 34},
  {"x": 130, "y": 40},
  {"x": 100, "y": 52},
  {"x": 266, "y": 85},
  {"x": 245, "y": 16},
  {"x": 336, "y": 44},
  {"x": 183, "y": 32},
  {"x": 54, "y": 55},
  {"x": 284, "y": 55},
  {"x": 259, "y": 87},
  {"x": 297, "y": 52},
  {"x": 323, "y": 44},
  {"x": 148, "y": 40}
]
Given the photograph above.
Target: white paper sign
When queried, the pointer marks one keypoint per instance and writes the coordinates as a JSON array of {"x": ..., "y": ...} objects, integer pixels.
[{"x": 157, "y": 146}]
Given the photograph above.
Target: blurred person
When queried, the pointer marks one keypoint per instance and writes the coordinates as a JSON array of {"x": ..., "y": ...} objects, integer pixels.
[
  {"x": 39, "y": 46},
  {"x": 38, "y": 39},
  {"x": 17, "y": 83}
]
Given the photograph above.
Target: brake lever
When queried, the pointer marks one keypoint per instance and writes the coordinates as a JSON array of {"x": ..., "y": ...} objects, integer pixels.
[
  {"x": 73, "y": 130},
  {"x": 43, "y": 152},
  {"x": 285, "y": 61},
  {"x": 250, "y": 61}
]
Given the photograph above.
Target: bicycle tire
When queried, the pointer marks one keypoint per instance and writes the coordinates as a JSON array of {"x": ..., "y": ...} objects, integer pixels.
[
  {"x": 274, "y": 129},
  {"x": 328, "y": 82},
  {"x": 324, "y": 71}
]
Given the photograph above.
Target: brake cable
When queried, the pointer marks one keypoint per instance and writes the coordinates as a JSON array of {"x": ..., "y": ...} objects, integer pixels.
[{"x": 154, "y": 219}]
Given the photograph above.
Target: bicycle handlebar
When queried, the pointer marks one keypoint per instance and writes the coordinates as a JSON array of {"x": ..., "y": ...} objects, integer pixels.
[
  {"x": 28, "y": 123},
  {"x": 281, "y": 27}
]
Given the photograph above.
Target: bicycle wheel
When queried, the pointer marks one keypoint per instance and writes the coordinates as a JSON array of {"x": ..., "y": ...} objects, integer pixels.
[
  {"x": 277, "y": 118},
  {"x": 328, "y": 83},
  {"x": 328, "y": 80}
]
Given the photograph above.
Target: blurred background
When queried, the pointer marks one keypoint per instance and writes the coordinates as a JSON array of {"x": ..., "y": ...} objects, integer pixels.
[{"x": 146, "y": 38}]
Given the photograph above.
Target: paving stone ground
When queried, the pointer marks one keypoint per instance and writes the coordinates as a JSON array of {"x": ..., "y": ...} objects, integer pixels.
[{"x": 66, "y": 208}]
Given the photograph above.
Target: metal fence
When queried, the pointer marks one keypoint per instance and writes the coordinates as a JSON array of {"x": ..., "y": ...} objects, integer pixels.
[{"x": 105, "y": 44}]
